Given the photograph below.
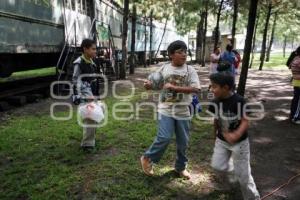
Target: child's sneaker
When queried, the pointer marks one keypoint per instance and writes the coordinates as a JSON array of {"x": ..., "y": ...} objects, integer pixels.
[
  {"x": 184, "y": 174},
  {"x": 147, "y": 166},
  {"x": 296, "y": 121}
]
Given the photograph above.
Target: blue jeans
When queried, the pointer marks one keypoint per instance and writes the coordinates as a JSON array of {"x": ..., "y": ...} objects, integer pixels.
[{"x": 166, "y": 127}]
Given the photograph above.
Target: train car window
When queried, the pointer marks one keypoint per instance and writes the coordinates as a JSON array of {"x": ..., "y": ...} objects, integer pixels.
[
  {"x": 67, "y": 4},
  {"x": 84, "y": 6},
  {"x": 79, "y": 6},
  {"x": 70, "y": 4},
  {"x": 88, "y": 7},
  {"x": 106, "y": 10},
  {"x": 138, "y": 36},
  {"x": 73, "y": 5}
]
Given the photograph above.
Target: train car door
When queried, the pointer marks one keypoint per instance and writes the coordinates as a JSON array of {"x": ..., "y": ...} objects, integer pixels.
[{"x": 78, "y": 22}]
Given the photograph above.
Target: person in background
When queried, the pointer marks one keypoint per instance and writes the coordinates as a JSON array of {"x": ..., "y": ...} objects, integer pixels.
[
  {"x": 292, "y": 56},
  {"x": 237, "y": 60},
  {"x": 229, "y": 57},
  {"x": 227, "y": 61},
  {"x": 85, "y": 87},
  {"x": 294, "y": 65},
  {"x": 214, "y": 60}
]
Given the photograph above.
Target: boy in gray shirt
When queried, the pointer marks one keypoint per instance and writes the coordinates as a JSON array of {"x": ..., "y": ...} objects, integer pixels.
[{"x": 180, "y": 81}]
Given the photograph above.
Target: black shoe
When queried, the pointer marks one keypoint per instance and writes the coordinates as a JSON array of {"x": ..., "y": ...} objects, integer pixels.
[
  {"x": 296, "y": 121},
  {"x": 88, "y": 149}
]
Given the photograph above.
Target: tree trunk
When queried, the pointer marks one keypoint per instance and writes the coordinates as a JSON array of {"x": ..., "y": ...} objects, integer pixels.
[
  {"x": 271, "y": 38},
  {"x": 217, "y": 31},
  {"x": 234, "y": 19},
  {"x": 254, "y": 41},
  {"x": 267, "y": 42},
  {"x": 284, "y": 45},
  {"x": 247, "y": 48},
  {"x": 145, "y": 45},
  {"x": 133, "y": 35},
  {"x": 199, "y": 38},
  {"x": 263, "y": 47},
  {"x": 93, "y": 15},
  {"x": 204, "y": 35},
  {"x": 162, "y": 37},
  {"x": 124, "y": 40},
  {"x": 151, "y": 36}
]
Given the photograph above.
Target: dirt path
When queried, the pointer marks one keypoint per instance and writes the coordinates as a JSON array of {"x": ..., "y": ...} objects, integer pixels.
[{"x": 275, "y": 142}]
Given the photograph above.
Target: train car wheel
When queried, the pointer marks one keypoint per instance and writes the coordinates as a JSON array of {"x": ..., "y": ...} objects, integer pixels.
[{"x": 5, "y": 70}]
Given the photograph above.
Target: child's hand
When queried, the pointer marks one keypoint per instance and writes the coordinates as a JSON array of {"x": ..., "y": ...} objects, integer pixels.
[
  {"x": 169, "y": 86},
  {"x": 231, "y": 137},
  {"x": 147, "y": 84}
]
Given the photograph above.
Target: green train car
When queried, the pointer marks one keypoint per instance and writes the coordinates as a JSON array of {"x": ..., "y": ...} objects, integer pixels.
[
  {"x": 31, "y": 34},
  {"x": 36, "y": 33}
]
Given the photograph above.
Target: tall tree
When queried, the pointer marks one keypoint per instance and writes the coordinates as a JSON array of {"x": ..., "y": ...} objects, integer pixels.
[
  {"x": 265, "y": 33},
  {"x": 162, "y": 37},
  {"x": 234, "y": 19},
  {"x": 133, "y": 35},
  {"x": 124, "y": 40},
  {"x": 199, "y": 38},
  {"x": 284, "y": 45},
  {"x": 154, "y": 10},
  {"x": 204, "y": 33},
  {"x": 247, "y": 48},
  {"x": 271, "y": 37},
  {"x": 151, "y": 36},
  {"x": 217, "y": 28},
  {"x": 145, "y": 41},
  {"x": 254, "y": 40}
]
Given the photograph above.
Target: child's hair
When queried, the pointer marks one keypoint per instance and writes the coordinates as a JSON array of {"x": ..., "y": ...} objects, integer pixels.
[
  {"x": 222, "y": 79},
  {"x": 178, "y": 44},
  {"x": 216, "y": 48},
  {"x": 298, "y": 50},
  {"x": 87, "y": 43},
  {"x": 229, "y": 47},
  {"x": 235, "y": 51}
]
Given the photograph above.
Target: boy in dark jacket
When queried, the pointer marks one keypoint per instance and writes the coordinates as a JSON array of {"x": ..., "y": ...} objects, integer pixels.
[{"x": 85, "y": 87}]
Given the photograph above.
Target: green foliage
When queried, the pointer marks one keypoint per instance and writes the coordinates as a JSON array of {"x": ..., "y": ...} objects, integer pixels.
[
  {"x": 277, "y": 61},
  {"x": 288, "y": 23},
  {"x": 161, "y": 9},
  {"x": 30, "y": 74},
  {"x": 186, "y": 15}
]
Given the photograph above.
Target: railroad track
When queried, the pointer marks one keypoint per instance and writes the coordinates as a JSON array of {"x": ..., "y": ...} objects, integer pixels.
[
  {"x": 17, "y": 87},
  {"x": 20, "y": 92}
]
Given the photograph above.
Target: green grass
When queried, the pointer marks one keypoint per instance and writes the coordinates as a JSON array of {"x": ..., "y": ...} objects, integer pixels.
[
  {"x": 40, "y": 159},
  {"x": 29, "y": 74},
  {"x": 277, "y": 61}
]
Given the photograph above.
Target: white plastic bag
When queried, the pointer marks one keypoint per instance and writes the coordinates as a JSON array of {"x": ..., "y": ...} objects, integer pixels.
[{"x": 93, "y": 111}]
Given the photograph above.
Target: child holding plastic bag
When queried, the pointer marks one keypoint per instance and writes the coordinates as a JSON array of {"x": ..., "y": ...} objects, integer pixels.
[{"x": 84, "y": 91}]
